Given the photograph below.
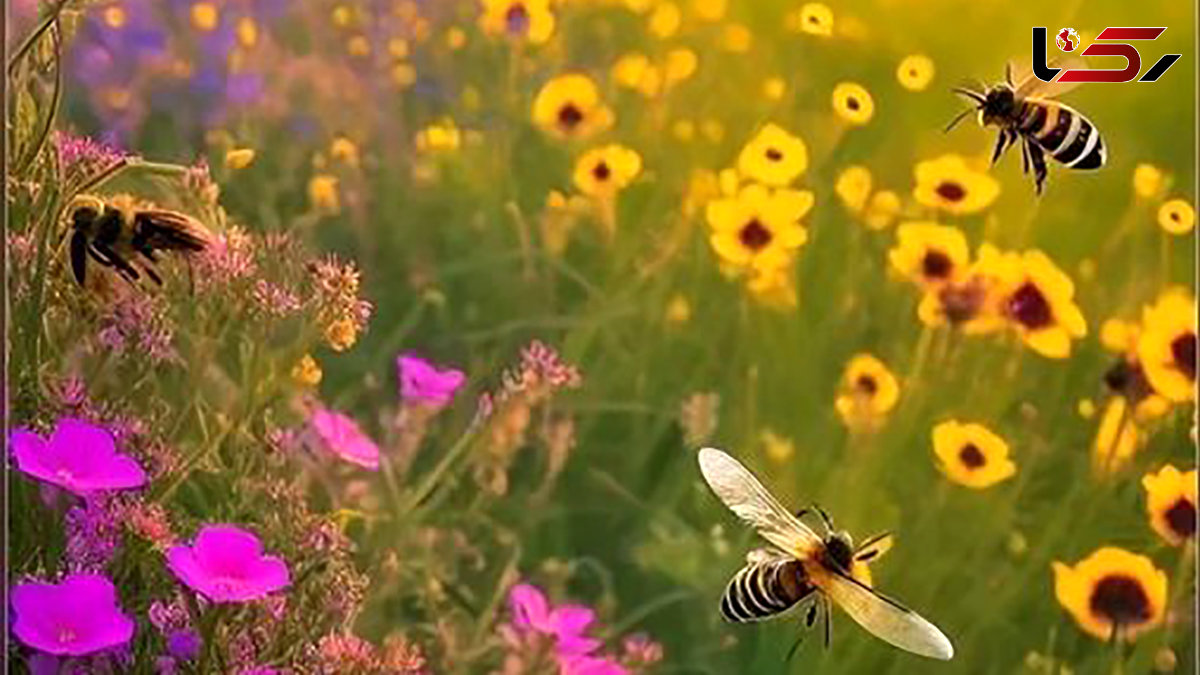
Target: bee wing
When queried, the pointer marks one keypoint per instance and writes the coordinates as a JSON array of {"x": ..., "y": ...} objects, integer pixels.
[
  {"x": 1026, "y": 84},
  {"x": 751, "y": 502},
  {"x": 886, "y": 619},
  {"x": 874, "y": 548},
  {"x": 172, "y": 230}
]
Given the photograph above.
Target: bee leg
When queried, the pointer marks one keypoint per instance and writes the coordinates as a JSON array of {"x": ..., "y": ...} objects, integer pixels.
[
  {"x": 824, "y": 517},
  {"x": 152, "y": 274},
  {"x": 1002, "y": 142},
  {"x": 828, "y": 612},
  {"x": 1038, "y": 159},
  {"x": 79, "y": 251},
  {"x": 117, "y": 261},
  {"x": 1025, "y": 157}
]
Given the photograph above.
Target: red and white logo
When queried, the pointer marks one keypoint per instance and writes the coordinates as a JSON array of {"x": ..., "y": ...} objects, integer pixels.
[{"x": 1067, "y": 39}]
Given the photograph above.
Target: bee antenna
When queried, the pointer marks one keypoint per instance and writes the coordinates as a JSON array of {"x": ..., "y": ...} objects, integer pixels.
[{"x": 958, "y": 118}]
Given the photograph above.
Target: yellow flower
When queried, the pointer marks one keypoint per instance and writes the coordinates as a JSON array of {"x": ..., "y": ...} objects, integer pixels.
[
  {"x": 680, "y": 64},
  {"x": 774, "y": 88},
  {"x": 1112, "y": 592},
  {"x": 882, "y": 210},
  {"x": 1118, "y": 336},
  {"x": 456, "y": 38},
  {"x": 1171, "y": 503},
  {"x": 853, "y": 187},
  {"x": 947, "y": 183},
  {"x": 560, "y": 216},
  {"x": 341, "y": 335},
  {"x": 247, "y": 31},
  {"x": 736, "y": 38},
  {"x": 398, "y": 47},
  {"x": 239, "y": 158},
  {"x": 773, "y": 157},
  {"x": 443, "y": 136},
  {"x": 679, "y": 310},
  {"x": 1167, "y": 345},
  {"x": 713, "y": 130},
  {"x": 205, "y": 16},
  {"x": 344, "y": 150},
  {"x": 758, "y": 229},
  {"x": 1177, "y": 216},
  {"x": 972, "y": 303},
  {"x": 1038, "y": 299},
  {"x": 664, "y": 20},
  {"x": 709, "y": 10},
  {"x": 928, "y": 254},
  {"x": 404, "y": 75},
  {"x": 915, "y": 72},
  {"x": 1117, "y": 438},
  {"x": 604, "y": 171},
  {"x": 1086, "y": 408},
  {"x": 702, "y": 187},
  {"x": 630, "y": 69},
  {"x": 323, "y": 193},
  {"x": 971, "y": 454},
  {"x": 868, "y": 391},
  {"x": 773, "y": 287},
  {"x": 307, "y": 372},
  {"x": 358, "y": 46},
  {"x": 684, "y": 130},
  {"x": 813, "y": 18},
  {"x": 779, "y": 449},
  {"x": 569, "y": 106},
  {"x": 853, "y": 103},
  {"x": 529, "y": 20},
  {"x": 1149, "y": 182},
  {"x": 115, "y": 17}
]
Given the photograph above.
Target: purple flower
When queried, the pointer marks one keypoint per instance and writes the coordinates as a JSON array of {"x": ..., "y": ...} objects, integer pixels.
[
  {"x": 566, "y": 624},
  {"x": 589, "y": 665},
  {"x": 79, "y": 457},
  {"x": 184, "y": 645},
  {"x": 93, "y": 532},
  {"x": 78, "y": 616},
  {"x": 421, "y": 381},
  {"x": 226, "y": 564},
  {"x": 342, "y": 436}
]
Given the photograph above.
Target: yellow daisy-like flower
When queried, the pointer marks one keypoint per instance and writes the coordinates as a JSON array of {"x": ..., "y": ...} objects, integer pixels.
[
  {"x": 1167, "y": 345},
  {"x": 1177, "y": 216},
  {"x": 1112, "y": 593},
  {"x": 604, "y": 171},
  {"x": 1038, "y": 299},
  {"x": 529, "y": 20},
  {"x": 882, "y": 209},
  {"x": 239, "y": 158},
  {"x": 853, "y": 103},
  {"x": 323, "y": 193},
  {"x": 929, "y": 254},
  {"x": 1117, "y": 438},
  {"x": 868, "y": 392},
  {"x": 970, "y": 304},
  {"x": 1171, "y": 503},
  {"x": 759, "y": 229},
  {"x": 1149, "y": 181},
  {"x": 814, "y": 18},
  {"x": 853, "y": 187},
  {"x": 915, "y": 72},
  {"x": 569, "y": 106},
  {"x": 664, "y": 20},
  {"x": 341, "y": 335},
  {"x": 971, "y": 454},
  {"x": 443, "y": 136},
  {"x": 679, "y": 65},
  {"x": 947, "y": 183},
  {"x": 307, "y": 372},
  {"x": 773, "y": 157}
]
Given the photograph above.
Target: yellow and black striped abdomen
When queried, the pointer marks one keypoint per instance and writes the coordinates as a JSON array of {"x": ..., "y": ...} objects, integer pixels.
[
  {"x": 764, "y": 589},
  {"x": 1067, "y": 136}
]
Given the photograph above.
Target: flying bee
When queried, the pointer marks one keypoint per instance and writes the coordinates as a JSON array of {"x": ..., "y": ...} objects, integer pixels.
[
  {"x": 800, "y": 565},
  {"x": 1025, "y": 113},
  {"x": 116, "y": 236}
]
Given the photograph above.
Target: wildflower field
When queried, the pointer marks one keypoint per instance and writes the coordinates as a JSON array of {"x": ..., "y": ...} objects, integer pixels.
[{"x": 382, "y": 336}]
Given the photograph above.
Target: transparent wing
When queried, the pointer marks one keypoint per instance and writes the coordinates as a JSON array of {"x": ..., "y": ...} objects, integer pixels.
[
  {"x": 874, "y": 548},
  {"x": 751, "y": 502},
  {"x": 1021, "y": 77},
  {"x": 886, "y": 619}
]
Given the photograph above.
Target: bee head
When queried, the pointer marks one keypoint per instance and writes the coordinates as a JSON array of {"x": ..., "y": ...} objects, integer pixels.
[
  {"x": 997, "y": 104},
  {"x": 839, "y": 547},
  {"x": 84, "y": 211}
]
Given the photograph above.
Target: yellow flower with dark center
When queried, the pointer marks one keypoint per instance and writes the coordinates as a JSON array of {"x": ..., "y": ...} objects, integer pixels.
[
  {"x": 947, "y": 183},
  {"x": 915, "y": 72},
  {"x": 971, "y": 454},
  {"x": 759, "y": 229},
  {"x": 1171, "y": 503},
  {"x": 853, "y": 103},
  {"x": 814, "y": 18},
  {"x": 1117, "y": 438},
  {"x": 853, "y": 187},
  {"x": 773, "y": 157},
  {"x": 929, "y": 254},
  {"x": 1112, "y": 593},
  {"x": 569, "y": 106},
  {"x": 867, "y": 393},
  {"x": 1177, "y": 216},
  {"x": 1038, "y": 300},
  {"x": 604, "y": 171},
  {"x": 529, "y": 20},
  {"x": 1149, "y": 182},
  {"x": 970, "y": 304},
  {"x": 1167, "y": 345}
]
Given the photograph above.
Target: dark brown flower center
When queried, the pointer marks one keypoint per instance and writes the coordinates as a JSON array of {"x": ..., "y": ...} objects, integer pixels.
[
  {"x": 754, "y": 235},
  {"x": 971, "y": 456},
  {"x": 1030, "y": 308},
  {"x": 961, "y": 303},
  {"x": 601, "y": 172},
  {"x": 951, "y": 191},
  {"x": 866, "y": 384},
  {"x": 936, "y": 265},
  {"x": 1183, "y": 350},
  {"x": 773, "y": 154},
  {"x": 1121, "y": 600},
  {"x": 569, "y": 116},
  {"x": 1181, "y": 518},
  {"x": 517, "y": 18},
  {"x": 1129, "y": 380},
  {"x": 852, "y": 103}
]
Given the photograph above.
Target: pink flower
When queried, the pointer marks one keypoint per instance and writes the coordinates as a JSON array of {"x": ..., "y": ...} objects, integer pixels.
[
  {"x": 76, "y": 617},
  {"x": 79, "y": 457},
  {"x": 226, "y": 564},
  {"x": 342, "y": 436},
  {"x": 421, "y": 381},
  {"x": 566, "y": 624},
  {"x": 589, "y": 665}
]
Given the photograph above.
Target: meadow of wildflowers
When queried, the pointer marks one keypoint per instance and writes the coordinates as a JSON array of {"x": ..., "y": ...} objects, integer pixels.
[{"x": 479, "y": 277}]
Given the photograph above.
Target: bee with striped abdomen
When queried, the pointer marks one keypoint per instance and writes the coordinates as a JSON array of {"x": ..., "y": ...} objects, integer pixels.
[
  {"x": 801, "y": 566},
  {"x": 115, "y": 235},
  {"x": 1025, "y": 113}
]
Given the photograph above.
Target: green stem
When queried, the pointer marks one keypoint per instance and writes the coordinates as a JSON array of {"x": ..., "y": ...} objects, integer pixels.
[
  {"x": 36, "y": 35},
  {"x": 452, "y": 455},
  {"x": 55, "y": 103}
]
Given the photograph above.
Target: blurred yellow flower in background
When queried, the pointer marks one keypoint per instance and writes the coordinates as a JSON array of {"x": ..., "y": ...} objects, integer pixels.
[
  {"x": 736, "y": 38},
  {"x": 773, "y": 287},
  {"x": 814, "y": 18},
  {"x": 915, "y": 72},
  {"x": 247, "y": 32},
  {"x": 341, "y": 335},
  {"x": 779, "y": 449},
  {"x": 1038, "y": 299},
  {"x": 867, "y": 393},
  {"x": 664, "y": 20},
  {"x": 307, "y": 372},
  {"x": 443, "y": 136},
  {"x": 1112, "y": 593},
  {"x": 604, "y": 171},
  {"x": 1171, "y": 503},
  {"x": 239, "y": 158},
  {"x": 882, "y": 210},
  {"x": 853, "y": 103},
  {"x": 115, "y": 17},
  {"x": 1177, "y": 216},
  {"x": 323, "y": 193},
  {"x": 559, "y": 217},
  {"x": 773, "y": 157},
  {"x": 774, "y": 88},
  {"x": 1167, "y": 345},
  {"x": 569, "y": 106},
  {"x": 928, "y": 254},
  {"x": 1117, "y": 438},
  {"x": 947, "y": 183},
  {"x": 853, "y": 187},
  {"x": 344, "y": 150},
  {"x": 529, "y": 20},
  {"x": 1149, "y": 181},
  {"x": 205, "y": 16},
  {"x": 759, "y": 229},
  {"x": 679, "y": 65},
  {"x": 679, "y": 310},
  {"x": 970, "y": 304},
  {"x": 971, "y": 454}
]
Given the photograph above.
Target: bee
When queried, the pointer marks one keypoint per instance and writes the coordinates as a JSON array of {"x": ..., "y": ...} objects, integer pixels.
[
  {"x": 116, "y": 236},
  {"x": 801, "y": 567},
  {"x": 1025, "y": 113}
]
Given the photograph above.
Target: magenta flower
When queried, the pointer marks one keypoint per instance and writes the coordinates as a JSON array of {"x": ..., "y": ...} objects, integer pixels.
[
  {"x": 422, "y": 382},
  {"x": 579, "y": 664},
  {"x": 78, "y": 616},
  {"x": 566, "y": 624},
  {"x": 341, "y": 435},
  {"x": 226, "y": 564},
  {"x": 79, "y": 457}
]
